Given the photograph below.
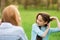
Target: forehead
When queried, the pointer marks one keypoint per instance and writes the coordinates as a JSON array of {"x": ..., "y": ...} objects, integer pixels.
[{"x": 39, "y": 17}]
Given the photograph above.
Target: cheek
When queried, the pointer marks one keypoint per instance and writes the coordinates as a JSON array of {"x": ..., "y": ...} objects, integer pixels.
[{"x": 37, "y": 21}]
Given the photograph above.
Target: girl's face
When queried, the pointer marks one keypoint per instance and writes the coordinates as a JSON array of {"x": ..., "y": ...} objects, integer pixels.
[{"x": 40, "y": 21}]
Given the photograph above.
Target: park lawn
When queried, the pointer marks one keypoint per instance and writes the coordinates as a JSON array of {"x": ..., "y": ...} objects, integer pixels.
[{"x": 28, "y": 18}]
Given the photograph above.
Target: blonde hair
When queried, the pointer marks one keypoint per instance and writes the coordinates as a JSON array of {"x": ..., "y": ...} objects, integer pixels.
[{"x": 11, "y": 14}]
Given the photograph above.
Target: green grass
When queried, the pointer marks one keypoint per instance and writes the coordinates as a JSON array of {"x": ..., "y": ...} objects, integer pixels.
[{"x": 28, "y": 18}]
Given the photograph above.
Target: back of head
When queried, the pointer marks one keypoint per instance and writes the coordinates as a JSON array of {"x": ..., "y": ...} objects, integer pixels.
[{"x": 10, "y": 14}]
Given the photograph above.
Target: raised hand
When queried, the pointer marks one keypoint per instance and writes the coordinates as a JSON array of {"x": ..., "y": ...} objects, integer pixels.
[
  {"x": 48, "y": 25},
  {"x": 55, "y": 18}
]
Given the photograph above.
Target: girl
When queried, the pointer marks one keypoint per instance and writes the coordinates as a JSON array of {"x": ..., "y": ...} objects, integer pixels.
[
  {"x": 41, "y": 29},
  {"x": 9, "y": 28}
]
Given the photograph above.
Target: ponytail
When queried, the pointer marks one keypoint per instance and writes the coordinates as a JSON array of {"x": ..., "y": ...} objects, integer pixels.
[{"x": 51, "y": 19}]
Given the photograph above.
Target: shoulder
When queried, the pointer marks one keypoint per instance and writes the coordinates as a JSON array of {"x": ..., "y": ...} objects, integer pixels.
[
  {"x": 19, "y": 28},
  {"x": 35, "y": 26}
]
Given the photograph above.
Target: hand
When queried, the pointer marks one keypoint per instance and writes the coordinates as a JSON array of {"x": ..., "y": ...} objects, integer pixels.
[
  {"x": 59, "y": 25},
  {"x": 54, "y": 18},
  {"x": 48, "y": 25}
]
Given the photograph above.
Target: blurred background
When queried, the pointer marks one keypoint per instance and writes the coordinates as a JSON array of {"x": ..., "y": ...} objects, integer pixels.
[
  {"x": 38, "y": 4},
  {"x": 28, "y": 10}
]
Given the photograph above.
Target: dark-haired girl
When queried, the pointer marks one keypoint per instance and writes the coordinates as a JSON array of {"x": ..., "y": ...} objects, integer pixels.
[{"x": 41, "y": 29}]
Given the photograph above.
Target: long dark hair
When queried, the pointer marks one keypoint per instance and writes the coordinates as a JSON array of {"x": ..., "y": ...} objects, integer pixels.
[
  {"x": 45, "y": 17},
  {"x": 38, "y": 37}
]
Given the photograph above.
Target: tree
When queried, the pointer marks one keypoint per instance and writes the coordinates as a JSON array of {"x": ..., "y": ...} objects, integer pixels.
[
  {"x": 2, "y": 4},
  {"x": 12, "y": 2},
  {"x": 25, "y": 4},
  {"x": 51, "y": 2},
  {"x": 45, "y": 3},
  {"x": 58, "y": 5}
]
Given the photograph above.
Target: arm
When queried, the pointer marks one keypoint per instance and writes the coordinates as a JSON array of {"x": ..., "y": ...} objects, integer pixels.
[
  {"x": 54, "y": 30},
  {"x": 58, "y": 22},
  {"x": 45, "y": 33},
  {"x": 39, "y": 32},
  {"x": 22, "y": 35},
  {"x": 55, "y": 18}
]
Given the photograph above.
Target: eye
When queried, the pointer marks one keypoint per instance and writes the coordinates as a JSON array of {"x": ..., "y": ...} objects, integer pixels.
[{"x": 40, "y": 20}]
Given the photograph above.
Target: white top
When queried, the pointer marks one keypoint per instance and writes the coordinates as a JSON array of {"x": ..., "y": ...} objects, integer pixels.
[{"x": 11, "y": 32}]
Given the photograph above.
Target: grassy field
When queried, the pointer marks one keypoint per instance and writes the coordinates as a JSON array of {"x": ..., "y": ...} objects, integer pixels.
[{"x": 28, "y": 18}]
